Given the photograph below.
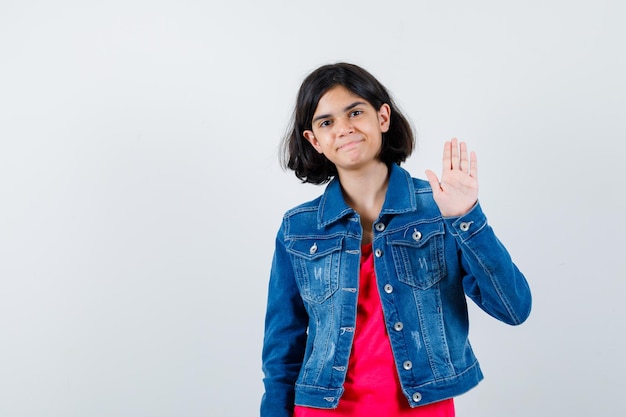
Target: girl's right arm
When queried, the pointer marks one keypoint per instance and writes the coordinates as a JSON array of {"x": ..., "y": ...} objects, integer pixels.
[{"x": 284, "y": 343}]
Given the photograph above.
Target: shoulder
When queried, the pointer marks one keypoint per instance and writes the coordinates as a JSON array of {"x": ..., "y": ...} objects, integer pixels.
[
  {"x": 311, "y": 206},
  {"x": 400, "y": 177},
  {"x": 422, "y": 200},
  {"x": 421, "y": 186},
  {"x": 300, "y": 219}
]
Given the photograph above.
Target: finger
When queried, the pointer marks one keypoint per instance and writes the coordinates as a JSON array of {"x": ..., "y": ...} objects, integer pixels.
[
  {"x": 455, "y": 154},
  {"x": 433, "y": 180},
  {"x": 447, "y": 156},
  {"x": 463, "y": 161},
  {"x": 473, "y": 165}
]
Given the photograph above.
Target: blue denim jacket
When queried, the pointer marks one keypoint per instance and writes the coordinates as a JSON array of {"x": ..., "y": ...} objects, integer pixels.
[{"x": 425, "y": 266}]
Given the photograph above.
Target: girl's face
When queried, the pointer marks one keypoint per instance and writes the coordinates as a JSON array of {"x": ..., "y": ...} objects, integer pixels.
[{"x": 347, "y": 129}]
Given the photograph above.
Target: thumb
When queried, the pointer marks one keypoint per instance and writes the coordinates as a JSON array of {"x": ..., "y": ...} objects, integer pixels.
[{"x": 433, "y": 180}]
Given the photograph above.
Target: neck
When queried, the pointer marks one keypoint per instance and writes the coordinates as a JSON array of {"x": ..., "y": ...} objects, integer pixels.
[{"x": 364, "y": 191}]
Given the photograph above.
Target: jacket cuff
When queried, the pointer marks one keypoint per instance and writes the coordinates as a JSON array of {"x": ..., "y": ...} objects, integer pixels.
[{"x": 467, "y": 225}]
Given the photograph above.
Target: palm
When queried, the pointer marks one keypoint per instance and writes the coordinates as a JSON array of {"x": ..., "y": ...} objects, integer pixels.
[{"x": 457, "y": 192}]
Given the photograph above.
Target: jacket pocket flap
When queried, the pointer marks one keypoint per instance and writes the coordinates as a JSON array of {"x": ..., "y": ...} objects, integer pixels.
[
  {"x": 315, "y": 248},
  {"x": 417, "y": 235}
]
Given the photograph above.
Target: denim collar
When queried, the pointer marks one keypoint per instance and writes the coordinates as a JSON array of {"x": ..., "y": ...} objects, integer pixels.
[{"x": 400, "y": 198}]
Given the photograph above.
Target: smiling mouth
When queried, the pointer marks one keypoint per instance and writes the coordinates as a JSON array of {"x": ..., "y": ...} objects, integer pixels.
[{"x": 350, "y": 144}]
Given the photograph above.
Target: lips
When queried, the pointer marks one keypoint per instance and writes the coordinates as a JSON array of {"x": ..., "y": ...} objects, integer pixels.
[{"x": 350, "y": 144}]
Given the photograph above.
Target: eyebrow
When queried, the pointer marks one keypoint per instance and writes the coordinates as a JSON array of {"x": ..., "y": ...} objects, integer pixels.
[{"x": 351, "y": 106}]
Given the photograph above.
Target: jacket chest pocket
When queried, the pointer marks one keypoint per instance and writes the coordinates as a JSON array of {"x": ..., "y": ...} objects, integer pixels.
[
  {"x": 418, "y": 254},
  {"x": 316, "y": 265}
]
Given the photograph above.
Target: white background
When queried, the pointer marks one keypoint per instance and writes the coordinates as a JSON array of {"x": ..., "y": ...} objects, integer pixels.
[{"x": 140, "y": 190}]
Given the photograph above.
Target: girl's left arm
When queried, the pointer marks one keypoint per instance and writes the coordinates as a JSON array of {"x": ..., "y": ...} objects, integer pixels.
[{"x": 490, "y": 279}]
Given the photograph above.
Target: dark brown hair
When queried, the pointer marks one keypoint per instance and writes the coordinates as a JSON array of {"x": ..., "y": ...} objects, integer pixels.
[{"x": 300, "y": 156}]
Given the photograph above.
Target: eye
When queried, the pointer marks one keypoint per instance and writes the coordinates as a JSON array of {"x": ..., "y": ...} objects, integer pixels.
[
  {"x": 354, "y": 113},
  {"x": 325, "y": 123}
]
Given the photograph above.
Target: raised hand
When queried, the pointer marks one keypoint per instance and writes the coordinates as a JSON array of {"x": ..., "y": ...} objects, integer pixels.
[{"x": 457, "y": 192}]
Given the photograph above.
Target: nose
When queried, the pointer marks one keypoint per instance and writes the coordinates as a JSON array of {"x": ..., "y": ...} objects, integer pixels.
[{"x": 343, "y": 126}]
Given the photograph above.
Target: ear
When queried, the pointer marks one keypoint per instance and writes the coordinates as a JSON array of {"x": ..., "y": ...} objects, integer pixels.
[
  {"x": 309, "y": 136},
  {"x": 384, "y": 117}
]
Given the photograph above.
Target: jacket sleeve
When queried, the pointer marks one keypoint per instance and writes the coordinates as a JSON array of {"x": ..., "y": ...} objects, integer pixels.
[
  {"x": 491, "y": 278},
  {"x": 284, "y": 342}
]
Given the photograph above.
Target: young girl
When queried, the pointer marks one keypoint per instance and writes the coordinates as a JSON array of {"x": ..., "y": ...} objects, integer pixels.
[{"x": 366, "y": 311}]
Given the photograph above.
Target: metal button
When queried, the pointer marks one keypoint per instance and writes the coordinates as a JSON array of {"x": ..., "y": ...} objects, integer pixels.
[
  {"x": 398, "y": 326},
  {"x": 313, "y": 249},
  {"x": 380, "y": 227},
  {"x": 417, "y": 397},
  {"x": 407, "y": 365},
  {"x": 378, "y": 253},
  {"x": 417, "y": 235},
  {"x": 465, "y": 226},
  {"x": 388, "y": 288}
]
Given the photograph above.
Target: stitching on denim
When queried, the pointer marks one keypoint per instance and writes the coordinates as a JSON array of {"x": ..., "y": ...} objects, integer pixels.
[{"x": 496, "y": 285}]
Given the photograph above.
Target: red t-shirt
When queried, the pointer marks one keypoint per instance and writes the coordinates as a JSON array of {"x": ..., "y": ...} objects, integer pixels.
[{"x": 372, "y": 387}]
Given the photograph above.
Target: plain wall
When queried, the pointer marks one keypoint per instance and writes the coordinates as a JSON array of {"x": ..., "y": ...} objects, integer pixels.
[{"x": 140, "y": 190}]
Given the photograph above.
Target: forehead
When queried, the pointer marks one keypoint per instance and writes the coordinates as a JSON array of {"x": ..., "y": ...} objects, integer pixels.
[{"x": 336, "y": 100}]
